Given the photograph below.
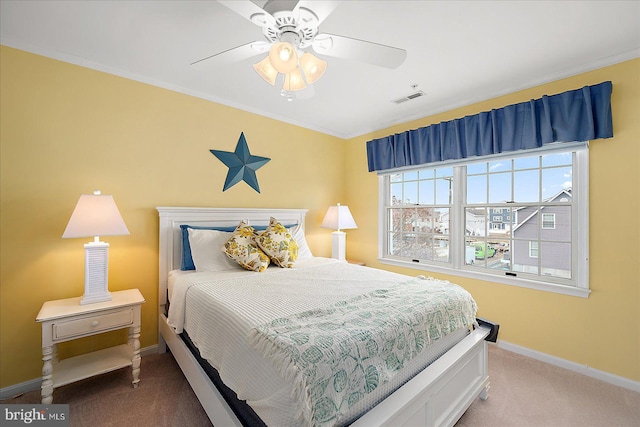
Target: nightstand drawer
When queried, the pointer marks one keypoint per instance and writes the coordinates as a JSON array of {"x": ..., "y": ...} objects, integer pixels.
[{"x": 93, "y": 324}]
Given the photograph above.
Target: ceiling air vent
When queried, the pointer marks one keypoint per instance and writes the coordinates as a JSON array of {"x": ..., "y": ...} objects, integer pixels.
[{"x": 414, "y": 95}]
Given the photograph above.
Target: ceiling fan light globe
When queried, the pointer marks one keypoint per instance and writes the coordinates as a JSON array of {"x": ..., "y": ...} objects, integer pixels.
[
  {"x": 312, "y": 66},
  {"x": 283, "y": 57},
  {"x": 293, "y": 81},
  {"x": 266, "y": 71}
]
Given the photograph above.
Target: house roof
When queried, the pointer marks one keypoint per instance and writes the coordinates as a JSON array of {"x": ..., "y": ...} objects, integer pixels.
[{"x": 564, "y": 191}]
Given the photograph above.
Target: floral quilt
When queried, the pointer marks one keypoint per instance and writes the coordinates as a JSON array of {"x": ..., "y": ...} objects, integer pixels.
[{"x": 338, "y": 354}]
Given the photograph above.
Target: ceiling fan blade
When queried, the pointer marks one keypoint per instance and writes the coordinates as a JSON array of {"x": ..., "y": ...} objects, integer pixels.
[
  {"x": 321, "y": 9},
  {"x": 359, "y": 50},
  {"x": 233, "y": 55},
  {"x": 248, "y": 10}
]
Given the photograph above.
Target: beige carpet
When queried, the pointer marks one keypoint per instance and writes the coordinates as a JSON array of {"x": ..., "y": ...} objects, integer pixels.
[
  {"x": 524, "y": 392},
  {"x": 527, "y": 393},
  {"x": 163, "y": 398}
]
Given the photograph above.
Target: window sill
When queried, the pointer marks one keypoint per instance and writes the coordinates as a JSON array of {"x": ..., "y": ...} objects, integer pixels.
[{"x": 523, "y": 283}]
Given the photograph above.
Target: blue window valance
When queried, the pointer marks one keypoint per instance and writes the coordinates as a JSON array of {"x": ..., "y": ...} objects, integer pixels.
[{"x": 577, "y": 115}]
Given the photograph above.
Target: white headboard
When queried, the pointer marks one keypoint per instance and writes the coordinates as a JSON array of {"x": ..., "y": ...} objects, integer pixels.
[{"x": 171, "y": 237}]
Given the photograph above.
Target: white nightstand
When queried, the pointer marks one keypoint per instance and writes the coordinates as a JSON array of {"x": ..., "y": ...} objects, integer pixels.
[{"x": 66, "y": 320}]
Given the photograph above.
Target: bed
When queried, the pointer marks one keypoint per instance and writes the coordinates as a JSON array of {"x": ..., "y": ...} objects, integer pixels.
[{"x": 438, "y": 394}]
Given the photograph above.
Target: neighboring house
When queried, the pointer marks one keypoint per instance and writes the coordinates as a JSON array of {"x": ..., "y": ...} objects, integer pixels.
[
  {"x": 555, "y": 235},
  {"x": 499, "y": 221},
  {"x": 475, "y": 220}
]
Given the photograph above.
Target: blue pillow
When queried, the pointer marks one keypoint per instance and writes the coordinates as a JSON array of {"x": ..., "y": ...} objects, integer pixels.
[{"x": 187, "y": 259}]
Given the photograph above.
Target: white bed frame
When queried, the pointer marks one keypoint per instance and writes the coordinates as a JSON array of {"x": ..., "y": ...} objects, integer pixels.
[{"x": 437, "y": 396}]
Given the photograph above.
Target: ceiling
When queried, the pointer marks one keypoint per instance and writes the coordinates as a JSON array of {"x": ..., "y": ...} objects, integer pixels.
[{"x": 458, "y": 52}]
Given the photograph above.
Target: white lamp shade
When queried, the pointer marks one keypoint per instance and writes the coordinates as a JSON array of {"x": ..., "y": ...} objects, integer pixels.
[
  {"x": 95, "y": 215},
  {"x": 293, "y": 81},
  {"x": 312, "y": 66},
  {"x": 283, "y": 57},
  {"x": 338, "y": 217},
  {"x": 266, "y": 71}
]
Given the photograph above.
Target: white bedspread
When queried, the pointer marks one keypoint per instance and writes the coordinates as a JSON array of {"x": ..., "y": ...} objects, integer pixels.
[{"x": 219, "y": 310}]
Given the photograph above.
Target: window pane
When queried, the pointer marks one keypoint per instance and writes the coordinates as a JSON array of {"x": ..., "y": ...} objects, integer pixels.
[
  {"x": 557, "y": 159},
  {"x": 408, "y": 217},
  {"x": 444, "y": 172},
  {"x": 477, "y": 189},
  {"x": 502, "y": 257},
  {"x": 469, "y": 253},
  {"x": 411, "y": 193},
  {"x": 396, "y": 194},
  {"x": 500, "y": 165},
  {"x": 499, "y": 187},
  {"x": 443, "y": 191},
  {"x": 426, "y": 173},
  {"x": 394, "y": 219},
  {"x": 555, "y": 180},
  {"x": 394, "y": 244},
  {"x": 525, "y": 222},
  {"x": 555, "y": 259},
  {"x": 475, "y": 221},
  {"x": 556, "y": 224},
  {"x": 427, "y": 192},
  {"x": 526, "y": 162},
  {"x": 423, "y": 248},
  {"x": 442, "y": 217},
  {"x": 441, "y": 252},
  {"x": 411, "y": 176},
  {"x": 395, "y": 177},
  {"x": 424, "y": 220},
  {"x": 526, "y": 186},
  {"x": 408, "y": 245},
  {"x": 521, "y": 256},
  {"x": 475, "y": 168}
]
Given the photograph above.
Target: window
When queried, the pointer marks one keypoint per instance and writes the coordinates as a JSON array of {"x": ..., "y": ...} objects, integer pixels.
[
  {"x": 533, "y": 249},
  {"x": 512, "y": 219},
  {"x": 549, "y": 219}
]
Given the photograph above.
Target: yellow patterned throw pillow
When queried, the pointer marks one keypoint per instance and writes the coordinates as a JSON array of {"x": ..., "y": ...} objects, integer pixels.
[
  {"x": 277, "y": 242},
  {"x": 241, "y": 247}
]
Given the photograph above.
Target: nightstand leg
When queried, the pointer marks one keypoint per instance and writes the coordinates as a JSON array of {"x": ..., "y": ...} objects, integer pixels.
[
  {"x": 134, "y": 342},
  {"x": 47, "y": 375}
]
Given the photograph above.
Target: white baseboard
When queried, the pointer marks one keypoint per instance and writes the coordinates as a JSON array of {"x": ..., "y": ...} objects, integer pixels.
[
  {"x": 34, "y": 384},
  {"x": 571, "y": 366}
]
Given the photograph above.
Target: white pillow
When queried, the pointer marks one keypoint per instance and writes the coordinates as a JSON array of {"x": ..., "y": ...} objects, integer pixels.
[
  {"x": 303, "y": 249},
  {"x": 205, "y": 250}
]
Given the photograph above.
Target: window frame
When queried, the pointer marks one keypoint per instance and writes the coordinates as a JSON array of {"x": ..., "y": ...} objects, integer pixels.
[{"x": 577, "y": 286}]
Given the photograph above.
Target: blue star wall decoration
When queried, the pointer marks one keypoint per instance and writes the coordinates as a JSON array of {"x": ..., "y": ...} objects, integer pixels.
[{"x": 242, "y": 165}]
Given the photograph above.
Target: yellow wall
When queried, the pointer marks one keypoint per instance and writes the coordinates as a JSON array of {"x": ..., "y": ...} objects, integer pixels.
[
  {"x": 67, "y": 130},
  {"x": 602, "y": 331}
]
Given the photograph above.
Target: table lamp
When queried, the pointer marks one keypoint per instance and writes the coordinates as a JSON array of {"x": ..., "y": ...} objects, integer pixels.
[
  {"x": 338, "y": 218},
  {"x": 95, "y": 215}
]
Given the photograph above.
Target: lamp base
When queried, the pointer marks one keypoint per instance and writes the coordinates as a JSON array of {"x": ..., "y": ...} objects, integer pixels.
[
  {"x": 96, "y": 273},
  {"x": 339, "y": 245}
]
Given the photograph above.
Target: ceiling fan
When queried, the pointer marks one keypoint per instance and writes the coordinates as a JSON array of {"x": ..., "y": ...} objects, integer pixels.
[{"x": 291, "y": 28}]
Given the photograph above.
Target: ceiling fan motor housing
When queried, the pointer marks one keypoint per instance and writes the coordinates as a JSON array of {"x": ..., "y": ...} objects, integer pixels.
[{"x": 297, "y": 27}]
